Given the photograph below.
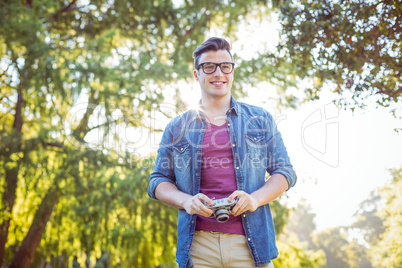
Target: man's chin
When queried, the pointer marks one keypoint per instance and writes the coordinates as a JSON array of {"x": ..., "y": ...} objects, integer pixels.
[{"x": 219, "y": 94}]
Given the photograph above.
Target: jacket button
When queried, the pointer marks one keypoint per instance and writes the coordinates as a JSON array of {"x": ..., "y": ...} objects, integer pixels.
[
  {"x": 233, "y": 145},
  {"x": 237, "y": 168},
  {"x": 249, "y": 239},
  {"x": 244, "y": 215}
]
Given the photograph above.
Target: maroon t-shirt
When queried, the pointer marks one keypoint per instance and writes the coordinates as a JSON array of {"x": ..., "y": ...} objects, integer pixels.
[{"x": 218, "y": 178}]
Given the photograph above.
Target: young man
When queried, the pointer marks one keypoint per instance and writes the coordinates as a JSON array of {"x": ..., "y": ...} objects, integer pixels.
[{"x": 222, "y": 150}]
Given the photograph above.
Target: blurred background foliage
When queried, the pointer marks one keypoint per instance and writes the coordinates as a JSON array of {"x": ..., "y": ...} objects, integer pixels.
[
  {"x": 74, "y": 72},
  {"x": 372, "y": 240},
  {"x": 352, "y": 46}
]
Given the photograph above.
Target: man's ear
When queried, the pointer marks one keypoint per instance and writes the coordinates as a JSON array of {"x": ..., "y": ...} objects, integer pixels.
[{"x": 196, "y": 75}]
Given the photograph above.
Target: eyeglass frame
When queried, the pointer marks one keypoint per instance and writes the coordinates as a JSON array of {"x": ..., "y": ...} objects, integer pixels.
[{"x": 216, "y": 66}]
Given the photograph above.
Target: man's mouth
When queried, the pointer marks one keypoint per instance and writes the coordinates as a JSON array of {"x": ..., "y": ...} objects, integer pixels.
[{"x": 218, "y": 83}]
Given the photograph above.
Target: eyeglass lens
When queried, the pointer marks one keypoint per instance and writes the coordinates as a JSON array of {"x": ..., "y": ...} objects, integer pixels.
[{"x": 209, "y": 68}]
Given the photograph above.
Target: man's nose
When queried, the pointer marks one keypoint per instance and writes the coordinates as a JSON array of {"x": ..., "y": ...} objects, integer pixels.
[{"x": 218, "y": 72}]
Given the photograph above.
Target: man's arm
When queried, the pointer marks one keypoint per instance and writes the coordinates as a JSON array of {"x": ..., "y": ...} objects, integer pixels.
[
  {"x": 283, "y": 176},
  {"x": 275, "y": 186},
  {"x": 162, "y": 184},
  {"x": 173, "y": 197}
]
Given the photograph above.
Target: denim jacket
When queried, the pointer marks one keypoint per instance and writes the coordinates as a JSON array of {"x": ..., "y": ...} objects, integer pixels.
[{"x": 257, "y": 148}]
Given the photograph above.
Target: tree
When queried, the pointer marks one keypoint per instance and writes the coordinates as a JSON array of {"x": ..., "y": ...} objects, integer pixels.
[
  {"x": 280, "y": 214},
  {"x": 378, "y": 221},
  {"x": 353, "y": 46},
  {"x": 72, "y": 72},
  {"x": 340, "y": 250},
  {"x": 333, "y": 242},
  {"x": 293, "y": 254},
  {"x": 302, "y": 222},
  {"x": 387, "y": 251},
  {"x": 295, "y": 243},
  {"x": 367, "y": 221}
]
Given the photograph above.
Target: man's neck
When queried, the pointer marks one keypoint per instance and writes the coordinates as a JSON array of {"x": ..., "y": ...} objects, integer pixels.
[{"x": 215, "y": 109}]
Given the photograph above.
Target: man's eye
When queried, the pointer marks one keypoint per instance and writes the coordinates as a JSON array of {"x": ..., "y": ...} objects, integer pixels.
[
  {"x": 209, "y": 67},
  {"x": 226, "y": 67}
]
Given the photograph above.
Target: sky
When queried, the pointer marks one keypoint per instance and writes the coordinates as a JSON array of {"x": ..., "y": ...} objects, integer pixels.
[{"x": 339, "y": 157}]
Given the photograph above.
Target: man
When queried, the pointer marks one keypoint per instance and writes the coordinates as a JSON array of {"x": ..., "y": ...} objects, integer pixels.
[{"x": 222, "y": 150}]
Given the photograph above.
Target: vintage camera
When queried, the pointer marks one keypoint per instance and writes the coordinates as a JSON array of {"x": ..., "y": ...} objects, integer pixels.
[{"x": 221, "y": 209}]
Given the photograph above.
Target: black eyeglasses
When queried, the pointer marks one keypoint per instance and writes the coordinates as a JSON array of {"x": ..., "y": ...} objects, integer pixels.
[{"x": 210, "y": 67}]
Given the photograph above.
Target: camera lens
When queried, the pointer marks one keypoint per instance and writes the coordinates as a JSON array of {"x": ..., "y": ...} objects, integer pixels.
[
  {"x": 222, "y": 218},
  {"x": 222, "y": 215}
]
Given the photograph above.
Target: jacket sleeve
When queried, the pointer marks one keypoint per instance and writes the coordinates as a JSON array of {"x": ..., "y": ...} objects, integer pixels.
[
  {"x": 164, "y": 164},
  {"x": 279, "y": 161}
]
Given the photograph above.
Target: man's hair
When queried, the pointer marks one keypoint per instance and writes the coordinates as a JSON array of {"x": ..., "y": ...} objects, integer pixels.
[{"x": 213, "y": 43}]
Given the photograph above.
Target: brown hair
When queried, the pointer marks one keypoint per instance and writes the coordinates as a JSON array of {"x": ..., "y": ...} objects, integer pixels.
[{"x": 213, "y": 43}]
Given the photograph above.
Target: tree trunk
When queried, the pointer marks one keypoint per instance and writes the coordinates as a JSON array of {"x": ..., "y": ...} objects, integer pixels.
[
  {"x": 13, "y": 146},
  {"x": 26, "y": 253},
  {"x": 8, "y": 204}
]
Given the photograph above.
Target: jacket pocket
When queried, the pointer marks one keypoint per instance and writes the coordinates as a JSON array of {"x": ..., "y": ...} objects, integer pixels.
[
  {"x": 256, "y": 148},
  {"x": 182, "y": 156}
]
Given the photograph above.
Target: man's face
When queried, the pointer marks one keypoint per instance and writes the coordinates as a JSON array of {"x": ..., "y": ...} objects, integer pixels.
[{"x": 217, "y": 84}]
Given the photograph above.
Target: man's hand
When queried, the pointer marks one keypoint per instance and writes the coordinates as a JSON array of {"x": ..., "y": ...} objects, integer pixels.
[
  {"x": 245, "y": 202},
  {"x": 195, "y": 205}
]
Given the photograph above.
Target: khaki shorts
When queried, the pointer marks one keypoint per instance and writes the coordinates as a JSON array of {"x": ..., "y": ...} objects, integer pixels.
[{"x": 214, "y": 249}]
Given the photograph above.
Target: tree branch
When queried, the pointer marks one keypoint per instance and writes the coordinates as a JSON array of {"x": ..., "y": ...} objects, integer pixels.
[
  {"x": 54, "y": 144},
  {"x": 65, "y": 9}
]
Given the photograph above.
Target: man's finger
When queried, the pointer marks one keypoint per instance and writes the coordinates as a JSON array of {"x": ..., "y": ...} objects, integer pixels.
[
  {"x": 241, "y": 204},
  {"x": 201, "y": 208},
  {"x": 205, "y": 198},
  {"x": 234, "y": 195},
  {"x": 204, "y": 211}
]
